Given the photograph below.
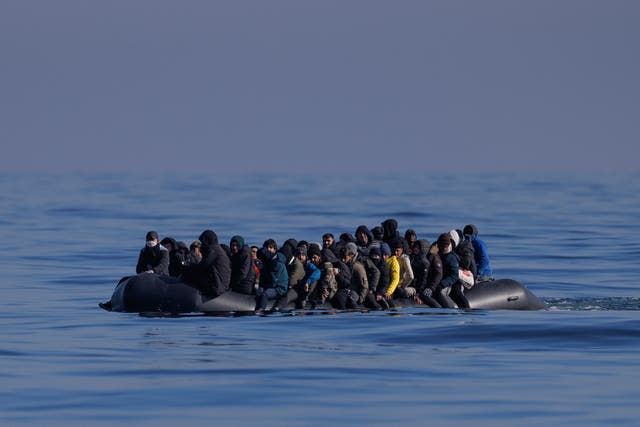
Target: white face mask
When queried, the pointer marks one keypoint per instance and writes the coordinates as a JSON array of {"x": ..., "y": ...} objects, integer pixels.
[{"x": 151, "y": 243}]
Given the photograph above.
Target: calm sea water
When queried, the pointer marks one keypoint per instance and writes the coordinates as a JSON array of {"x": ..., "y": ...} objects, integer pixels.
[{"x": 573, "y": 240}]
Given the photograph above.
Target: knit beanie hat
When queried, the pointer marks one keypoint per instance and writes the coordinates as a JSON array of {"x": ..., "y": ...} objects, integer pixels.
[
  {"x": 386, "y": 250},
  {"x": 444, "y": 240}
]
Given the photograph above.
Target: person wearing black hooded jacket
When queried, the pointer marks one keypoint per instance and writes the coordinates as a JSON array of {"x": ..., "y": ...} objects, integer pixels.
[
  {"x": 176, "y": 257},
  {"x": 420, "y": 264},
  {"x": 213, "y": 274},
  {"x": 364, "y": 238},
  {"x": 391, "y": 233},
  {"x": 153, "y": 258},
  {"x": 243, "y": 275},
  {"x": 449, "y": 292},
  {"x": 422, "y": 270}
]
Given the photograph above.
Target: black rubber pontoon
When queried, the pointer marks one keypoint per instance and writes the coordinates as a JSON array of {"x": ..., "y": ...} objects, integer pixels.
[{"x": 146, "y": 293}]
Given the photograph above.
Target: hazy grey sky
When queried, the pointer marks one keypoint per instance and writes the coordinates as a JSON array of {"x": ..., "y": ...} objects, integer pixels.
[{"x": 320, "y": 85}]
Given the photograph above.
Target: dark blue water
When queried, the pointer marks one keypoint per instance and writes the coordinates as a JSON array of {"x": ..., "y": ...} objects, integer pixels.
[{"x": 573, "y": 240}]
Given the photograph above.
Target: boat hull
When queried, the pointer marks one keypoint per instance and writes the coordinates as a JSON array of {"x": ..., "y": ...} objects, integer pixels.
[{"x": 158, "y": 293}]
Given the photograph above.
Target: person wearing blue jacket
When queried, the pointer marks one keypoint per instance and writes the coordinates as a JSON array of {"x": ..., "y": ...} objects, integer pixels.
[
  {"x": 274, "y": 279},
  {"x": 483, "y": 265}
]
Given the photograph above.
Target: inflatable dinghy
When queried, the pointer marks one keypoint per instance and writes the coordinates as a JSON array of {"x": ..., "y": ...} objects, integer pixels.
[{"x": 147, "y": 293}]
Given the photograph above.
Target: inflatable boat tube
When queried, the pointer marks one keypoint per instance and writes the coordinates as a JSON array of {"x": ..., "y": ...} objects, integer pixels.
[{"x": 147, "y": 293}]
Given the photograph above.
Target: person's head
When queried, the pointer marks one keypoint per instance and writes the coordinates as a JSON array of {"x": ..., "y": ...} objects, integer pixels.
[
  {"x": 270, "y": 245},
  {"x": 378, "y": 232},
  {"x": 444, "y": 243},
  {"x": 352, "y": 249},
  {"x": 169, "y": 243},
  {"x": 347, "y": 253},
  {"x": 327, "y": 240},
  {"x": 151, "y": 238},
  {"x": 385, "y": 250},
  {"x": 410, "y": 236},
  {"x": 303, "y": 244},
  {"x": 397, "y": 247},
  {"x": 254, "y": 252},
  {"x": 346, "y": 238},
  {"x": 265, "y": 254},
  {"x": 315, "y": 256},
  {"x": 416, "y": 248},
  {"x": 362, "y": 236},
  {"x": 390, "y": 227},
  {"x": 375, "y": 254},
  {"x": 208, "y": 239},
  {"x": 455, "y": 238},
  {"x": 182, "y": 248},
  {"x": 470, "y": 230},
  {"x": 301, "y": 254},
  {"x": 194, "y": 247},
  {"x": 235, "y": 244}
]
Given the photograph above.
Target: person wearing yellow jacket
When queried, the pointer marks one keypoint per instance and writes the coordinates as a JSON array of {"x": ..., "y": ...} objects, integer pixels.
[
  {"x": 404, "y": 288},
  {"x": 394, "y": 272}
]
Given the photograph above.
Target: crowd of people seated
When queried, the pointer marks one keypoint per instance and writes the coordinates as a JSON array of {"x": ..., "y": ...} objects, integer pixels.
[{"x": 367, "y": 269}]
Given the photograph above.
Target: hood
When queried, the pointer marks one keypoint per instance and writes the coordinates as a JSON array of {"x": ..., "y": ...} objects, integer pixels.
[
  {"x": 455, "y": 238},
  {"x": 424, "y": 247},
  {"x": 291, "y": 244},
  {"x": 264, "y": 255},
  {"x": 238, "y": 239},
  {"x": 363, "y": 229},
  {"x": 182, "y": 247},
  {"x": 410, "y": 235},
  {"x": 208, "y": 238},
  {"x": 346, "y": 238},
  {"x": 378, "y": 232},
  {"x": 390, "y": 227},
  {"x": 470, "y": 230},
  {"x": 171, "y": 241},
  {"x": 328, "y": 255},
  {"x": 288, "y": 249}
]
